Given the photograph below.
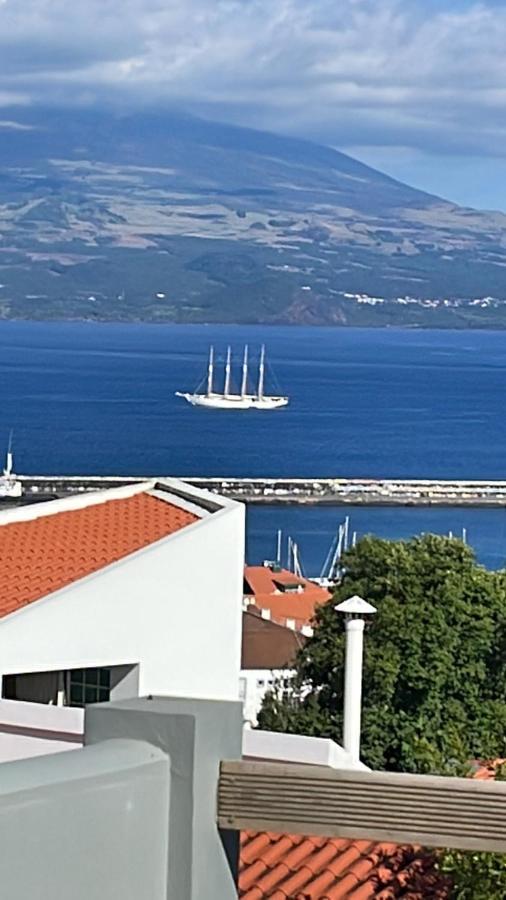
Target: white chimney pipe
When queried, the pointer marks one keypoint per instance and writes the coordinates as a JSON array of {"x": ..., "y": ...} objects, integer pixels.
[{"x": 354, "y": 610}]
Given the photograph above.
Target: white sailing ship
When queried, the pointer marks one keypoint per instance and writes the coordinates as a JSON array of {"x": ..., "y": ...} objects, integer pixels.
[{"x": 228, "y": 400}]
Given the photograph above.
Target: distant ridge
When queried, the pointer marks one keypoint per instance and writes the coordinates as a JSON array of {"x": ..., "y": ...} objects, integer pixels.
[{"x": 170, "y": 218}]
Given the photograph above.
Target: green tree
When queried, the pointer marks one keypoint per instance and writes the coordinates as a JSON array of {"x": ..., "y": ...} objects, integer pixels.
[
  {"x": 434, "y": 663},
  {"x": 475, "y": 876}
]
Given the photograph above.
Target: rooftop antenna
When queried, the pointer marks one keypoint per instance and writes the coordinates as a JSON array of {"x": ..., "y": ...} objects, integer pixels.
[{"x": 354, "y": 609}]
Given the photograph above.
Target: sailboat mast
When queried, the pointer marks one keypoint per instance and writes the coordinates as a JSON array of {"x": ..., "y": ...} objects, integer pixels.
[
  {"x": 261, "y": 373},
  {"x": 244, "y": 385},
  {"x": 227, "y": 372},
  {"x": 9, "y": 458},
  {"x": 278, "y": 554},
  {"x": 210, "y": 372}
]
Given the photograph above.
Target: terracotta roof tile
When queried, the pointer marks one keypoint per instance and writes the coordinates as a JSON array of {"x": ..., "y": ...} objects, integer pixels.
[
  {"x": 304, "y": 868},
  {"x": 265, "y": 586},
  {"x": 299, "y": 868},
  {"x": 42, "y": 555}
]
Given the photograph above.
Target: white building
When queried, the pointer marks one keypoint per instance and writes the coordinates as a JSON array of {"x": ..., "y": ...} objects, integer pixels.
[
  {"x": 131, "y": 590},
  {"x": 267, "y": 660}
]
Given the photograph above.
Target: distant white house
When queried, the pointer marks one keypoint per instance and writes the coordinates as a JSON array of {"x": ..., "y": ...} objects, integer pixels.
[
  {"x": 267, "y": 660},
  {"x": 121, "y": 592}
]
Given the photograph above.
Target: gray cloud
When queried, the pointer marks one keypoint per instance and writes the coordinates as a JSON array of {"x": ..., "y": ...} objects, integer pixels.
[{"x": 410, "y": 73}]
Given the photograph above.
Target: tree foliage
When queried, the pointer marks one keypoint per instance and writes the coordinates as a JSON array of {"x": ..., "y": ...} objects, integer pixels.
[
  {"x": 434, "y": 663},
  {"x": 475, "y": 876}
]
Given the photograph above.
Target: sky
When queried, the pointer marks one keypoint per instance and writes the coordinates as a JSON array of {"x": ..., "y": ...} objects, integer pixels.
[{"x": 416, "y": 88}]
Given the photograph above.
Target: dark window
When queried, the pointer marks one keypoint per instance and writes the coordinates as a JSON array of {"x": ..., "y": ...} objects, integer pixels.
[{"x": 89, "y": 686}]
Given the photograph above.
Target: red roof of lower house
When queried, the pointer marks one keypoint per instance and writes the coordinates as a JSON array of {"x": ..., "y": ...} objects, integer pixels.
[
  {"x": 285, "y": 595},
  {"x": 47, "y": 552},
  {"x": 266, "y": 645},
  {"x": 292, "y": 867}
]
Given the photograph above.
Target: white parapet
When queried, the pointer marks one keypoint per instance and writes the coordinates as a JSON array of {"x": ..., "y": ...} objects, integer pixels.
[{"x": 296, "y": 748}]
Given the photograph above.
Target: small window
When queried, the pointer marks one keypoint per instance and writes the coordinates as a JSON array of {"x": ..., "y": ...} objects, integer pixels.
[
  {"x": 260, "y": 682},
  {"x": 89, "y": 686}
]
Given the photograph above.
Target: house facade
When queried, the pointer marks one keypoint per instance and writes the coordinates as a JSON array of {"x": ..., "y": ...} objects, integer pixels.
[{"x": 128, "y": 591}]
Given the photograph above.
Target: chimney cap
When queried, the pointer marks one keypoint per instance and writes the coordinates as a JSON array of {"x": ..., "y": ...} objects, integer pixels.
[{"x": 355, "y": 606}]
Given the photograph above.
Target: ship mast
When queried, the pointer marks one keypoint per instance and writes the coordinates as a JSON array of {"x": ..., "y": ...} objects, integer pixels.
[
  {"x": 210, "y": 372},
  {"x": 261, "y": 373},
  {"x": 244, "y": 385},
  {"x": 9, "y": 459},
  {"x": 227, "y": 372}
]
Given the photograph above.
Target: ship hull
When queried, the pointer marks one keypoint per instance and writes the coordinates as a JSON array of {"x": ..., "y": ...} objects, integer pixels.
[
  {"x": 216, "y": 401},
  {"x": 269, "y": 402},
  {"x": 233, "y": 401}
]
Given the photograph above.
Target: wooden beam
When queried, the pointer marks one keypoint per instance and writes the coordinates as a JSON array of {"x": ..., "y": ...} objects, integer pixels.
[{"x": 385, "y": 806}]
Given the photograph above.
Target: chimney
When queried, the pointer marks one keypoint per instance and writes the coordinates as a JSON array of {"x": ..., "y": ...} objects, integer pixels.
[{"x": 354, "y": 611}]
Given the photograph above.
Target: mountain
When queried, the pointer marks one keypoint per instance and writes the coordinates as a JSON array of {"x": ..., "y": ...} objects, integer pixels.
[{"x": 172, "y": 218}]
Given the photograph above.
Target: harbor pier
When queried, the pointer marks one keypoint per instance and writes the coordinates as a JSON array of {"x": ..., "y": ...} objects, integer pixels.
[{"x": 299, "y": 491}]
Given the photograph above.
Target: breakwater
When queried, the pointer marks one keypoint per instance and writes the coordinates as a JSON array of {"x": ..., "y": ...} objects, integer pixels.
[{"x": 302, "y": 491}]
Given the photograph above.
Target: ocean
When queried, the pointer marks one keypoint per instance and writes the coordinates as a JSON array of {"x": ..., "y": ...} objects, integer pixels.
[{"x": 85, "y": 398}]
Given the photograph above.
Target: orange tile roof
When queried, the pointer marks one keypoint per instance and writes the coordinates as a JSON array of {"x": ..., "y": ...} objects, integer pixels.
[
  {"x": 292, "y": 867},
  {"x": 487, "y": 771},
  {"x": 264, "y": 585},
  {"x": 41, "y": 555}
]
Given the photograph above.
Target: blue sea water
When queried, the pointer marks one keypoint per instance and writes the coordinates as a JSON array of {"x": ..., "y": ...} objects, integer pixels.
[{"x": 93, "y": 398}]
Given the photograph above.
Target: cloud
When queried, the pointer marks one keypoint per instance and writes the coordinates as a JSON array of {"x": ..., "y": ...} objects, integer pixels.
[{"x": 427, "y": 74}]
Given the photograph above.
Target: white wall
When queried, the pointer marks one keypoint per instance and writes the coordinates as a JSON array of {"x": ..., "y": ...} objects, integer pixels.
[
  {"x": 34, "y": 729},
  {"x": 296, "y": 748},
  {"x": 173, "y": 607},
  {"x": 254, "y": 684}
]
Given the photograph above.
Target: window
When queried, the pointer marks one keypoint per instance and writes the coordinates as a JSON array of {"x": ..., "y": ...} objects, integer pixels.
[{"x": 89, "y": 686}]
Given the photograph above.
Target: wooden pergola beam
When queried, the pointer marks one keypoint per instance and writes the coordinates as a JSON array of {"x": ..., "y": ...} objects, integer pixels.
[{"x": 432, "y": 811}]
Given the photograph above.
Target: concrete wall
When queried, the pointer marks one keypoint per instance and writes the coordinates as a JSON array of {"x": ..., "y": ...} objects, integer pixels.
[
  {"x": 196, "y": 735},
  {"x": 174, "y": 608},
  {"x": 91, "y": 824}
]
